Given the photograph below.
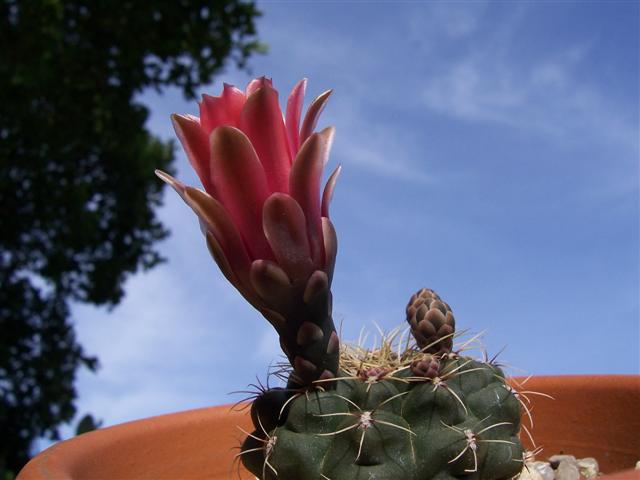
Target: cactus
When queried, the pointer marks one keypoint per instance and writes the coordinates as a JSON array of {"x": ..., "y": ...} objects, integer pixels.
[
  {"x": 422, "y": 413},
  {"x": 425, "y": 412}
]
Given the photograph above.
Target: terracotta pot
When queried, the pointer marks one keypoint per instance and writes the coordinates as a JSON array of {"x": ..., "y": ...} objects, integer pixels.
[
  {"x": 590, "y": 416},
  {"x": 597, "y": 416}
]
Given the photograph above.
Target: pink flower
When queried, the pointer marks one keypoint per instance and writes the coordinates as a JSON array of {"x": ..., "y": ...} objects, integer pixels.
[{"x": 261, "y": 210}]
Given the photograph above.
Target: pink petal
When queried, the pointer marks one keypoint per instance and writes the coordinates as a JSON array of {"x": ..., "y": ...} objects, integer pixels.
[
  {"x": 228, "y": 251},
  {"x": 213, "y": 113},
  {"x": 222, "y": 110},
  {"x": 241, "y": 185},
  {"x": 285, "y": 228},
  {"x": 196, "y": 144},
  {"x": 294, "y": 110},
  {"x": 304, "y": 185},
  {"x": 327, "y": 194},
  {"x": 174, "y": 183},
  {"x": 330, "y": 246},
  {"x": 218, "y": 254},
  {"x": 234, "y": 101},
  {"x": 313, "y": 113},
  {"x": 261, "y": 119},
  {"x": 219, "y": 223},
  {"x": 257, "y": 83}
]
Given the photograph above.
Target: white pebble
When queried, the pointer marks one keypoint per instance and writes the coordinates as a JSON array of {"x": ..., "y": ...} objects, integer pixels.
[
  {"x": 588, "y": 467},
  {"x": 544, "y": 470},
  {"x": 567, "y": 471}
]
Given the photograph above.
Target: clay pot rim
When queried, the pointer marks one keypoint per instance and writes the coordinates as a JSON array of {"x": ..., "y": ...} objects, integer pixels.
[{"x": 58, "y": 460}]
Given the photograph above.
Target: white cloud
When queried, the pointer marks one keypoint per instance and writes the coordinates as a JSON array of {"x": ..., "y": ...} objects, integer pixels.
[
  {"x": 549, "y": 95},
  {"x": 380, "y": 155}
]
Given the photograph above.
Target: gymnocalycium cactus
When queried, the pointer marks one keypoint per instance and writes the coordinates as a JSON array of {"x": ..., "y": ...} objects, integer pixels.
[{"x": 420, "y": 412}]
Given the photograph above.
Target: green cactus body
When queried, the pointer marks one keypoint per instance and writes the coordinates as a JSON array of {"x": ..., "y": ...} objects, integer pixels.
[{"x": 462, "y": 423}]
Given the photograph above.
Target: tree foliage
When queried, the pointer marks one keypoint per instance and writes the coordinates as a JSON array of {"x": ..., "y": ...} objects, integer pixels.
[{"x": 76, "y": 174}]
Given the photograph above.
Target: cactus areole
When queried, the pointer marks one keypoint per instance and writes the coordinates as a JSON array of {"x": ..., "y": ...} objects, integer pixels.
[{"x": 422, "y": 412}]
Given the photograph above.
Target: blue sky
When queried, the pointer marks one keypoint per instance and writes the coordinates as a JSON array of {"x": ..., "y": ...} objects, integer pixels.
[{"x": 489, "y": 151}]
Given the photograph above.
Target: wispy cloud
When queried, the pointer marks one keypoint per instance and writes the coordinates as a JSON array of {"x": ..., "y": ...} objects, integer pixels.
[
  {"x": 378, "y": 151},
  {"x": 549, "y": 95}
]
